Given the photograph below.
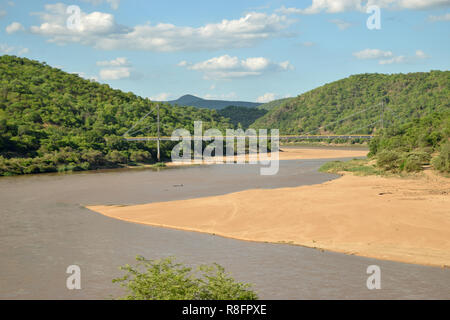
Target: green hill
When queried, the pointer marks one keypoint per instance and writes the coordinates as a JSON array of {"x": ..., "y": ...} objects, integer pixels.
[
  {"x": 52, "y": 120},
  {"x": 274, "y": 104},
  {"x": 340, "y": 107},
  {"x": 242, "y": 116}
]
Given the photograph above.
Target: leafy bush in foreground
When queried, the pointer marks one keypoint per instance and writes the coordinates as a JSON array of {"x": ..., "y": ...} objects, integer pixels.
[{"x": 166, "y": 280}]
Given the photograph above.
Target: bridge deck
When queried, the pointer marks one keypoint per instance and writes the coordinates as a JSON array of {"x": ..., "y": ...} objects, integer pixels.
[{"x": 283, "y": 137}]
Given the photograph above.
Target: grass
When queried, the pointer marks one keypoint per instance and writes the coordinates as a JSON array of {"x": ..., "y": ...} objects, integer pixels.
[
  {"x": 359, "y": 167},
  {"x": 365, "y": 167},
  {"x": 159, "y": 165}
]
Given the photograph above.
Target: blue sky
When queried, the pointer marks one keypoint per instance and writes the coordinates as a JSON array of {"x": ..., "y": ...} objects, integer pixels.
[{"x": 234, "y": 50}]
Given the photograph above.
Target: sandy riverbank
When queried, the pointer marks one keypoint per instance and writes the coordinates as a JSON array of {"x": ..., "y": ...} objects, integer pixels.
[
  {"x": 405, "y": 220},
  {"x": 293, "y": 153}
]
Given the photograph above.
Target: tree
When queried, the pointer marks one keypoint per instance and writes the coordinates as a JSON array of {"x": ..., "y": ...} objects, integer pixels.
[{"x": 166, "y": 280}]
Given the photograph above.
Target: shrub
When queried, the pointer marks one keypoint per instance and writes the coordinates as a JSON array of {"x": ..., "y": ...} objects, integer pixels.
[
  {"x": 421, "y": 156},
  {"x": 140, "y": 156},
  {"x": 160, "y": 165},
  {"x": 442, "y": 161},
  {"x": 67, "y": 167},
  {"x": 389, "y": 160},
  {"x": 166, "y": 280},
  {"x": 116, "y": 157},
  {"x": 412, "y": 164},
  {"x": 357, "y": 166},
  {"x": 94, "y": 157},
  {"x": 414, "y": 161}
]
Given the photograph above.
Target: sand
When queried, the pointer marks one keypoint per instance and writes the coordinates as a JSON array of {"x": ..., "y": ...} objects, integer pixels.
[
  {"x": 291, "y": 154},
  {"x": 399, "y": 219}
]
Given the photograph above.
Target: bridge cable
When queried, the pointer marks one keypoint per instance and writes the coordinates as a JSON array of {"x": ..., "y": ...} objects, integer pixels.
[
  {"x": 366, "y": 126},
  {"x": 337, "y": 121},
  {"x": 393, "y": 116},
  {"x": 139, "y": 121}
]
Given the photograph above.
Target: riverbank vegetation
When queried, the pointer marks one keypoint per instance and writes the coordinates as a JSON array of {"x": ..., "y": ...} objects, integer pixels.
[
  {"x": 354, "y": 143},
  {"x": 359, "y": 167},
  {"x": 168, "y": 280},
  {"x": 408, "y": 148},
  {"x": 417, "y": 143}
]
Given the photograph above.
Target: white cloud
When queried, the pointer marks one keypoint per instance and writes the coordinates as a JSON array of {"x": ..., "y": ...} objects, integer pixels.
[
  {"x": 267, "y": 97},
  {"x": 399, "y": 59},
  {"x": 308, "y": 44},
  {"x": 116, "y": 69},
  {"x": 387, "y": 57},
  {"x": 286, "y": 65},
  {"x": 84, "y": 76},
  {"x": 257, "y": 64},
  {"x": 118, "y": 62},
  {"x": 2, "y": 13},
  {"x": 164, "y": 96},
  {"x": 23, "y": 51},
  {"x": 372, "y": 54},
  {"x": 182, "y": 63},
  {"x": 421, "y": 55},
  {"x": 331, "y": 6},
  {"x": 337, "y": 6},
  {"x": 384, "y": 57},
  {"x": 115, "y": 73},
  {"x": 90, "y": 28},
  {"x": 14, "y": 27},
  {"x": 227, "y": 67},
  {"x": 422, "y": 4},
  {"x": 224, "y": 96},
  {"x": 6, "y": 49},
  {"x": 217, "y": 63},
  {"x": 341, "y": 24},
  {"x": 284, "y": 10},
  {"x": 101, "y": 31},
  {"x": 444, "y": 17},
  {"x": 113, "y": 3}
]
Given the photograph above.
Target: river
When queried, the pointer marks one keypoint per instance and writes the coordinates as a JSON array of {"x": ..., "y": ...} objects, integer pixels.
[{"x": 45, "y": 228}]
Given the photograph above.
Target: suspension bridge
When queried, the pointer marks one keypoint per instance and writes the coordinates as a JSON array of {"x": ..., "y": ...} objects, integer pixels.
[{"x": 306, "y": 136}]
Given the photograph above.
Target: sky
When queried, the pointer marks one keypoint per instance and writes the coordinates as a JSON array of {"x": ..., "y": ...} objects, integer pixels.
[{"x": 230, "y": 50}]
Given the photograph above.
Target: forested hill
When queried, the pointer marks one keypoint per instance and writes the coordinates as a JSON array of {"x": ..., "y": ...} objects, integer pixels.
[
  {"x": 52, "y": 120},
  {"x": 406, "y": 97}
]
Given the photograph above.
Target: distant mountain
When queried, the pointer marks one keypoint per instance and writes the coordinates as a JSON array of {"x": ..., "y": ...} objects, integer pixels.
[{"x": 193, "y": 101}]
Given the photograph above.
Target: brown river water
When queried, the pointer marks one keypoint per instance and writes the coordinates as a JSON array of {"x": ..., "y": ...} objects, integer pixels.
[{"x": 45, "y": 228}]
